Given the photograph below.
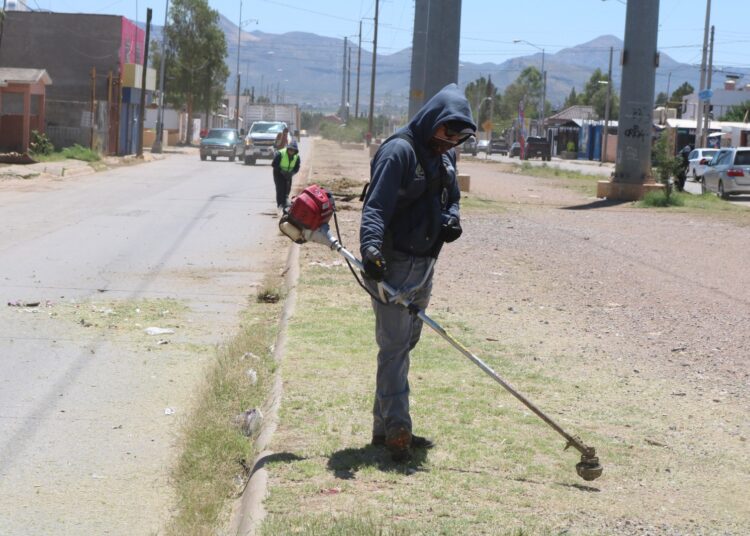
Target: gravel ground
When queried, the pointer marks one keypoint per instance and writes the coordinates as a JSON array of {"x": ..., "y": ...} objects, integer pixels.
[{"x": 645, "y": 309}]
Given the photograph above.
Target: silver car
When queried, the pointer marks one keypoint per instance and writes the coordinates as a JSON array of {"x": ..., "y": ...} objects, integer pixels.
[
  {"x": 728, "y": 173},
  {"x": 698, "y": 161}
]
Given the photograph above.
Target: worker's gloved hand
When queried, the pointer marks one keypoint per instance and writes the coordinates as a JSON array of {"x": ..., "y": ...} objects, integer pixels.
[
  {"x": 374, "y": 263},
  {"x": 451, "y": 229}
]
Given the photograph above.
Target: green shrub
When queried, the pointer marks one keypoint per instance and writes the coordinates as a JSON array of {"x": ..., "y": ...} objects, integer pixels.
[
  {"x": 661, "y": 199},
  {"x": 40, "y": 144},
  {"x": 571, "y": 147},
  {"x": 351, "y": 132},
  {"x": 78, "y": 152}
]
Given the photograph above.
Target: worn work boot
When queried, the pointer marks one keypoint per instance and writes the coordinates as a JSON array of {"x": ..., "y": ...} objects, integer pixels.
[
  {"x": 398, "y": 442},
  {"x": 417, "y": 442}
]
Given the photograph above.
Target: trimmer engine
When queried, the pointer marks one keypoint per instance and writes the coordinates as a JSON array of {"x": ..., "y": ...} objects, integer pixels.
[{"x": 310, "y": 213}]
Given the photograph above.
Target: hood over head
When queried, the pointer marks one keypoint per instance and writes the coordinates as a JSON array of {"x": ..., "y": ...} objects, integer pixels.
[{"x": 448, "y": 104}]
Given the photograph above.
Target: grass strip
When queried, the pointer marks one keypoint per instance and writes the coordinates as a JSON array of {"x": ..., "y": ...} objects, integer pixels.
[{"x": 216, "y": 457}]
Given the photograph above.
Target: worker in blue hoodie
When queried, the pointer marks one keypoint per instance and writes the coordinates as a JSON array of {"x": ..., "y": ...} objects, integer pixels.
[{"x": 410, "y": 210}]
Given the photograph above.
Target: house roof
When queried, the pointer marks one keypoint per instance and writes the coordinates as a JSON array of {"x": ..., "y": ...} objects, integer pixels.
[
  {"x": 579, "y": 111},
  {"x": 691, "y": 123},
  {"x": 14, "y": 75}
]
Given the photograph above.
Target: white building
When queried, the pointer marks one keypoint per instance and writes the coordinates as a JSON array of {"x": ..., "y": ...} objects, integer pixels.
[
  {"x": 721, "y": 101},
  {"x": 16, "y": 5}
]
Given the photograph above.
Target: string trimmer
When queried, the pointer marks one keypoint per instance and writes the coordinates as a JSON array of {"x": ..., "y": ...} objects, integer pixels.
[{"x": 307, "y": 221}]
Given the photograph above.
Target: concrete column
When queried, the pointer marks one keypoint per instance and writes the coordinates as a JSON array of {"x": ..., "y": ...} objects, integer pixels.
[
  {"x": 632, "y": 177},
  {"x": 434, "y": 60},
  {"x": 418, "y": 50}
]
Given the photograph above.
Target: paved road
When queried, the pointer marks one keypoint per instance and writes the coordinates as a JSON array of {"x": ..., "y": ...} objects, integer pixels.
[{"x": 85, "y": 439}]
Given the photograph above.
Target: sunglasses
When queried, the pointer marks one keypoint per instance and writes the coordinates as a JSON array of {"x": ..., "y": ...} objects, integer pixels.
[{"x": 455, "y": 138}]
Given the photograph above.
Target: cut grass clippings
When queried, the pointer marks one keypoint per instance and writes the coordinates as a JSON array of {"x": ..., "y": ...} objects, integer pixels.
[{"x": 216, "y": 457}]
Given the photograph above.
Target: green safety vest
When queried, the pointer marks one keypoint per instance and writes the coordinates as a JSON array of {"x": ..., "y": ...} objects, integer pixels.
[{"x": 285, "y": 164}]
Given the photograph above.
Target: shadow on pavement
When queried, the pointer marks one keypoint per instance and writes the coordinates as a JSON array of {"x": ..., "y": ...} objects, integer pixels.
[
  {"x": 346, "y": 462},
  {"x": 600, "y": 203}
]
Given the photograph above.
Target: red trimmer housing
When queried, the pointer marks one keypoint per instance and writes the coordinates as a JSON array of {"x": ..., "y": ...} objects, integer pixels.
[
  {"x": 310, "y": 211},
  {"x": 311, "y": 208}
]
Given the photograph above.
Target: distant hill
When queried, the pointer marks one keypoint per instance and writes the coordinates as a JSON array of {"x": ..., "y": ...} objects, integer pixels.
[{"x": 306, "y": 68}]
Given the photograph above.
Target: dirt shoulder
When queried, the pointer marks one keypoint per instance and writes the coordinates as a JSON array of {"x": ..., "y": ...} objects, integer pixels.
[{"x": 625, "y": 325}]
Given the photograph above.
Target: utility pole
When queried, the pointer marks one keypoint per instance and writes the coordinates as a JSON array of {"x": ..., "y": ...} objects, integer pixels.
[
  {"x": 434, "y": 60},
  {"x": 237, "y": 101},
  {"x": 157, "y": 146},
  {"x": 699, "y": 108},
  {"x": 707, "y": 102},
  {"x": 372, "y": 75},
  {"x": 143, "y": 86},
  {"x": 349, "y": 84},
  {"x": 2, "y": 23},
  {"x": 342, "y": 109},
  {"x": 359, "y": 58},
  {"x": 544, "y": 95},
  {"x": 92, "y": 110},
  {"x": 632, "y": 177},
  {"x": 605, "y": 134}
]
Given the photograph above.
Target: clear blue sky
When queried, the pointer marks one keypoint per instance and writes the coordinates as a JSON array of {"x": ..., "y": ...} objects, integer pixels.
[{"x": 488, "y": 27}]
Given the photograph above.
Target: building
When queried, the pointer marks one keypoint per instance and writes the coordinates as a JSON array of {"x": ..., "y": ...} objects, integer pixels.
[
  {"x": 22, "y": 106},
  {"x": 721, "y": 101},
  {"x": 95, "y": 62}
]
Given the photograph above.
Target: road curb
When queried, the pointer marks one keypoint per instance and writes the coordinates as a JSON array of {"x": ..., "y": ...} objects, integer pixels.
[{"x": 248, "y": 511}]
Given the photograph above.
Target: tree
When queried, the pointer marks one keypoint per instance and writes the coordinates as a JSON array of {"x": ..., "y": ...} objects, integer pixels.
[
  {"x": 675, "y": 100},
  {"x": 595, "y": 94},
  {"x": 196, "y": 52},
  {"x": 476, "y": 93},
  {"x": 527, "y": 88},
  {"x": 571, "y": 99},
  {"x": 737, "y": 113},
  {"x": 661, "y": 99}
]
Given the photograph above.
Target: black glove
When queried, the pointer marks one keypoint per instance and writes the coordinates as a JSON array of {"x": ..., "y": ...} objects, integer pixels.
[
  {"x": 451, "y": 229},
  {"x": 374, "y": 263}
]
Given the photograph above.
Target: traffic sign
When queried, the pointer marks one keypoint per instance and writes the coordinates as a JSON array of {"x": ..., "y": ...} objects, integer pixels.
[{"x": 705, "y": 94}]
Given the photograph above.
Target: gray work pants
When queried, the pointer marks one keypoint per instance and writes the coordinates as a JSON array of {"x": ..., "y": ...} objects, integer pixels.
[{"x": 397, "y": 332}]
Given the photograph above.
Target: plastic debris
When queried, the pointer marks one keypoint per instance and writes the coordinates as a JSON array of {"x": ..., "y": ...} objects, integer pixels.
[
  {"x": 252, "y": 376},
  {"x": 19, "y": 303},
  {"x": 158, "y": 331},
  {"x": 249, "y": 421},
  {"x": 169, "y": 411}
]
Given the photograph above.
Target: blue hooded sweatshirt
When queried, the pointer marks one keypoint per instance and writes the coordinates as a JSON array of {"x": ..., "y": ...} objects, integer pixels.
[{"x": 401, "y": 212}]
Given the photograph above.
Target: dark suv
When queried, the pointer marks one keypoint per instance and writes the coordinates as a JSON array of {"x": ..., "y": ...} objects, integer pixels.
[{"x": 536, "y": 146}]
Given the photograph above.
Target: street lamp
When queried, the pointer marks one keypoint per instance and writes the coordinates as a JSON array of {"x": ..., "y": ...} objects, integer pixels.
[
  {"x": 157, "y": 146},
  {"x": 240, "y": 24},
  {"x": 544, "y": 79}
]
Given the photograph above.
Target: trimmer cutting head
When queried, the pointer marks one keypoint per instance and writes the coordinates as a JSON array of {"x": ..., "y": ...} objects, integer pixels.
[{"x": 589, "y": 468}]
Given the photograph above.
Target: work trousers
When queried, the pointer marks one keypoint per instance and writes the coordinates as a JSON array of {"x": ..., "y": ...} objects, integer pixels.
[
  {"x": 283, "y": 183},
  {"x": 397, "y": 332}
]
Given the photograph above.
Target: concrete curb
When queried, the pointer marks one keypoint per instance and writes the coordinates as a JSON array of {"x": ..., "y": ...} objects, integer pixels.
[{"x": 248, "y": 511}]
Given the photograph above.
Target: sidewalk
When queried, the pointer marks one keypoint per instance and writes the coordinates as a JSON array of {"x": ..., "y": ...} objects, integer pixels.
[{"x": 76, "y": 168}]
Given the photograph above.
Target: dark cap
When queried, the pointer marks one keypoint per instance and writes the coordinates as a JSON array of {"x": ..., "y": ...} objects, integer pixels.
[{"x": 459, "y": 128}]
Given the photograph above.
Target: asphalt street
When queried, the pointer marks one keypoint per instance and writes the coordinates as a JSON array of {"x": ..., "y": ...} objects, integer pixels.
[{"x": 89, "y": 418}]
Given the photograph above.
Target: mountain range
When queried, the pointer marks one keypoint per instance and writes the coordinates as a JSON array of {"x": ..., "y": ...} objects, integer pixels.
[{"x": 306, "y": 68}]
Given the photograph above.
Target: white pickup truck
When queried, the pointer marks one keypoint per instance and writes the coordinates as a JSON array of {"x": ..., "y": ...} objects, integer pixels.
[{"x": 259, "y": 141}]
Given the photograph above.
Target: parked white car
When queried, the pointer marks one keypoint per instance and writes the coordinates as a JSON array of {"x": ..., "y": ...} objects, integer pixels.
[
  {"x": 728, "y": 173},
  {"x": 698, "y": 160}
]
